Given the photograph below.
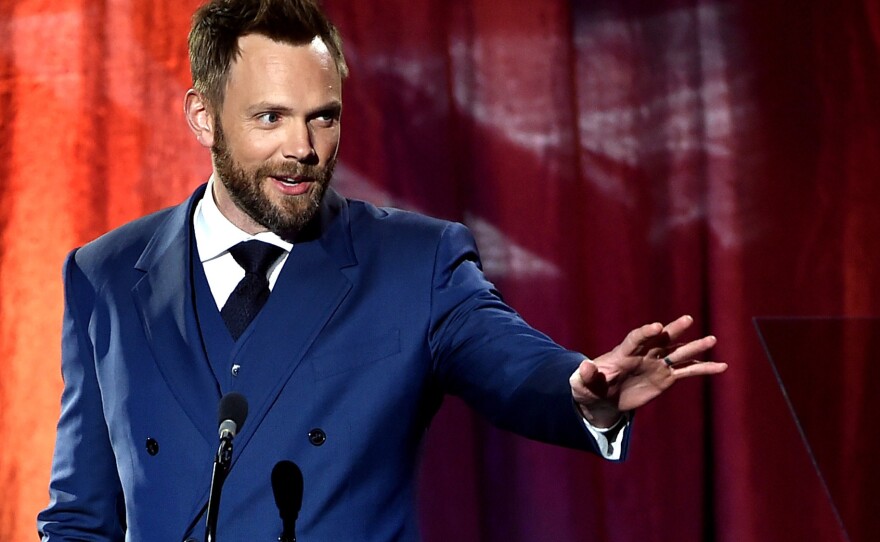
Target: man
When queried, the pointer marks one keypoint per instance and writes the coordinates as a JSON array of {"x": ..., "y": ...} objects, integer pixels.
[{"x": 374, "y": 315}]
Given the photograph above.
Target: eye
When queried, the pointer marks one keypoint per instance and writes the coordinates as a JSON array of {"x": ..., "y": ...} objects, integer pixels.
[
  {"x": 269, "y": 117},
  {"x": 326, "y": 118}
]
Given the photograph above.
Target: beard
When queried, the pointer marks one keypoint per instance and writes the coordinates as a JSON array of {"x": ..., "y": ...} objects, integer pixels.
[{"x": 248, "y": 190}]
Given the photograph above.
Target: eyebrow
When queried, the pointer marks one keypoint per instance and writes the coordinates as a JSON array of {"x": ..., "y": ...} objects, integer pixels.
[{"x": 333, "y": 106}]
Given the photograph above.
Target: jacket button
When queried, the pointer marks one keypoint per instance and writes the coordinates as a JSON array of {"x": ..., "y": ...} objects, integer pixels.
[
  {"x": 152, "y": 446},
  {"x": 317, "y": 437},
  {"x": 235, "y": 370}
]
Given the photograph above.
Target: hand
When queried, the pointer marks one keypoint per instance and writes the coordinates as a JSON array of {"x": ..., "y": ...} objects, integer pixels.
[{"x": 644, "y": 365}]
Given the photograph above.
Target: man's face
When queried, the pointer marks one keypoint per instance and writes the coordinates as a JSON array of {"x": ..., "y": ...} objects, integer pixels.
[{"x": 277, "y": 134}]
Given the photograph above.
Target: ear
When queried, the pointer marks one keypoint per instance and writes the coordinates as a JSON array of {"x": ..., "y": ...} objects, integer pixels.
[{"x": 199, "y": 118}]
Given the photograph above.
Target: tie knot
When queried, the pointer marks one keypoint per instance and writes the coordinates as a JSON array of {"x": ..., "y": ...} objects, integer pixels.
[{"x": 255, "y": 256}]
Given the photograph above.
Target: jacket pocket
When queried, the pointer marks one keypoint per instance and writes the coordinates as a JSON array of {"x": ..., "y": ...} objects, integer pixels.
[{"x": 342, "y": 358}]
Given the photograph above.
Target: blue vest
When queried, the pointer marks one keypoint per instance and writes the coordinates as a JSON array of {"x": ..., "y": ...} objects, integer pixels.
[{"x": 217, "y": 342}]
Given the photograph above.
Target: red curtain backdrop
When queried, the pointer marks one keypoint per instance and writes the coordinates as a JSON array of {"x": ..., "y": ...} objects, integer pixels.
[{"x": 619, "y": 162}]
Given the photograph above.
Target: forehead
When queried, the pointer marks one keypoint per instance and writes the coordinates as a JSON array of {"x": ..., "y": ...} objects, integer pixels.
[{"x": 269, "y": 70}]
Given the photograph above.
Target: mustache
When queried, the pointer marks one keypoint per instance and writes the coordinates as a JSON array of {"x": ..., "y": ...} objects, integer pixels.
[{"x": 291, "y": 169}]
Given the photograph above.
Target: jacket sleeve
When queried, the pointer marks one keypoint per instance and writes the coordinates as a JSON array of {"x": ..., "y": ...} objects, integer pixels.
[
  {"x": 487, "y": 354},
  {"x": 85, "y": 495}
]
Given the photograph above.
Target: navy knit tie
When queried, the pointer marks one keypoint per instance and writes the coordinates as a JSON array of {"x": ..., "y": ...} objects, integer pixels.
[{"x": 249, "y": 296}]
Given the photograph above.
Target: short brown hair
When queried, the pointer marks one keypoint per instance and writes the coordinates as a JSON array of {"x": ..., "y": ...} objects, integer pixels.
[{"x": 217, "y": 25}]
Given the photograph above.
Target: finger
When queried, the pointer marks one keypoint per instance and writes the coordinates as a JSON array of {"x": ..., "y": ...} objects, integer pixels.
[
  {"x": 659, "y": 352},
  {"x": 678, "y": 326},
  {"x": 641, "y": 338},
  {"x": 664, "y": 340},
  {"x": 691, "y": 350},
  {"x": 584, "y": 373},
  {"x": 587, "y": 382},
  {"x": 699, "y": 368}
]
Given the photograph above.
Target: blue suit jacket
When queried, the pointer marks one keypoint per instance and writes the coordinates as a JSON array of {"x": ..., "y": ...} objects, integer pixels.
[{"x": 376, "y": 315}]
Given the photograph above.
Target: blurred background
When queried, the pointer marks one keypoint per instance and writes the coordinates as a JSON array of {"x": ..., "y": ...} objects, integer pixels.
[{"x": 619, "y": 162}]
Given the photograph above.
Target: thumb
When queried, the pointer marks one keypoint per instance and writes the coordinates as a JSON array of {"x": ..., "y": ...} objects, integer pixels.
[{"x": 588, "y": 382}]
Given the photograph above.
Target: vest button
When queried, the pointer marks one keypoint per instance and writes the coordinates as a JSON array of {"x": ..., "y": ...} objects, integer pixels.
[
  {"x": 317, "y": 437},
  {"x": 235, "y": 369},
  {"x": 152, "y": 446}
]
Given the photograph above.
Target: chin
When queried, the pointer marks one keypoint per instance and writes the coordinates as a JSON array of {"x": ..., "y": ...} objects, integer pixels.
[{"x": 288, "y": 216}]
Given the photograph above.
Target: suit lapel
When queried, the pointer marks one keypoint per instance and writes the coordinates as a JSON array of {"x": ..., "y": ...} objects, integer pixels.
[
  {"x": 307, "y": 294},
  {"x": 164, "y": 297}
]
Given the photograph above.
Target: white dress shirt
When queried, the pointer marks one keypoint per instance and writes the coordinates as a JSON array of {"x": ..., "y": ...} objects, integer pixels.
[{"x": 215, "y": 235}]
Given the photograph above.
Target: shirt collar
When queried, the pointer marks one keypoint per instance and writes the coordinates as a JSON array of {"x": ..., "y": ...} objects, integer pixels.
[{"x": 215, "y": 234}]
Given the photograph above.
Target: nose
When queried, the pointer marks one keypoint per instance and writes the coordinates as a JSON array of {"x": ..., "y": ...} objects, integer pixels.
[{"x": 298, "y": 144}]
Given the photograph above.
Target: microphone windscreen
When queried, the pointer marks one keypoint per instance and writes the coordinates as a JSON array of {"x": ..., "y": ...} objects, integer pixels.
[
  {"x": 287, "y": 485},
  {"x": 233, "y": 406}
]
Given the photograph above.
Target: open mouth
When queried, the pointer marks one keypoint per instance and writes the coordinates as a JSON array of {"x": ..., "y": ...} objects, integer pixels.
[
  {"x": 292, "y": 186},
  {"x": 291, "y": 181}
]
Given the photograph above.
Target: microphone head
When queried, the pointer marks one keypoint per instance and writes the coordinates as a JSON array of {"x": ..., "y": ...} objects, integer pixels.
[
  {"x": 287, "y": 485},
  {"x": 232, "y": 412}
]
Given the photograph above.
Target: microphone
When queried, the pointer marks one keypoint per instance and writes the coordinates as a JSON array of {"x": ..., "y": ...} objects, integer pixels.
[
  {"x": 232, "y": 412},
  {"x": 287, "y": 486}
]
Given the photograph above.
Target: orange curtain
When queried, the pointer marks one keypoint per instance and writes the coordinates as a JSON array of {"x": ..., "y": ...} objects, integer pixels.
[
  {"x": 92, "y": 136},
  {"x": 618, "y": 162}
]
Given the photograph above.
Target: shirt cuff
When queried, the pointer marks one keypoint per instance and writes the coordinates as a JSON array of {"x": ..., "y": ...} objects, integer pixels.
[{"x": 610, "y": 439}]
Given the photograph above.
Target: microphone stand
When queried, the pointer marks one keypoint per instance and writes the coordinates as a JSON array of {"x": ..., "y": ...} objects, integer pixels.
[{"x": 218, "y": 477}]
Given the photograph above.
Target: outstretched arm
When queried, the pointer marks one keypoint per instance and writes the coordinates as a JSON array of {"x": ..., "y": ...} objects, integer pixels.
[{"x": 648, "y": 361}]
